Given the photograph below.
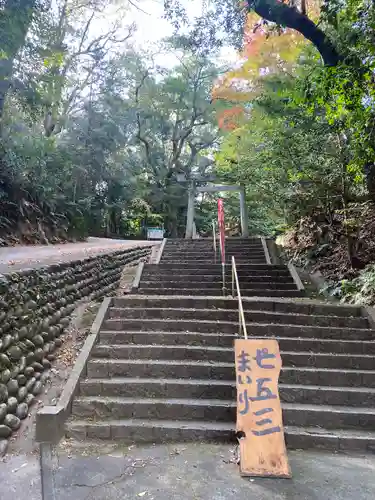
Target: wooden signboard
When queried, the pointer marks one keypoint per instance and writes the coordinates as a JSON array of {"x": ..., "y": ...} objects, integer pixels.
[{"x": 259, "y": 417}]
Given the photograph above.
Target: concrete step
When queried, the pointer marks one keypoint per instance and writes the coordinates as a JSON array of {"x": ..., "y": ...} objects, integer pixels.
[
  {"x": 226, "y": 355},
  {"x": 232, "y": 315},
  {"x": 221, "y": 389},
  {"x": 306, "y": 307},
  {"x": 160, "y": 431},
  {"x": 102, "y": 368},
  {"x": 313, "y": 345},
  {"x": 215, "y": 292},
  {"x": 254, "y": 329},
  {"x": 216, "y": 283}
]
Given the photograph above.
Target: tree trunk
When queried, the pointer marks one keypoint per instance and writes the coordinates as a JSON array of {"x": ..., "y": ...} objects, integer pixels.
[
  {"x": 280, "y": 13},
  {"x": 15, "y": 20}
]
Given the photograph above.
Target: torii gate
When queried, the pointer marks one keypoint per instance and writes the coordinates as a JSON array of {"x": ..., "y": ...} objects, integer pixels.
[{"x": 214, "y": 189}]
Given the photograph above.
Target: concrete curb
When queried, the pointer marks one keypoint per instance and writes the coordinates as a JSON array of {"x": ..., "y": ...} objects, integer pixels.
[
  {"x": 161, "y": 250},
  {"x": 265, "y": 249},
  {"x": 50, "y": 420},
  {"x": 137, "y": 277},
  {"x": 273, "y": 251},
  {"x": 295, "y": 276},
  {"x": 369, "y": 312}
]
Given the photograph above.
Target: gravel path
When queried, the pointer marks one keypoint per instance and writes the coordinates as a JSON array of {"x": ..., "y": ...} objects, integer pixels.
[{"x": 22, "y": 257}]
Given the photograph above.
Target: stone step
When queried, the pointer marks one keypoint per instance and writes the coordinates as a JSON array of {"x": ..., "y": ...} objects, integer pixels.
[
  {"x": 232, "y": 315},
  {"x": 150, "y": 431},
  {"x": 207, "y": 262},
  {"x": 226, "y": 355},
  {"x": 254, "y": 329},
  {"x": 307, "y": 307},
  {"x": 219, "y": 410},
  {"x": 214, "y": 267},
  {"x": 99, "y": 368},
  {"x": 183, "y": 276},
  {"x": 222, "y": 389},
  {"x": 201, "y": 242},
  {"x": 160, "y": 431},
  {"x": 344, "y": 440},
  {"x": 328, "y": 417},
  {"x": 199, "y": 255},
  {"x": 158, "y": 387},
  {"x": 167, "y": 352},
  {"x": 209, "y": 245},
  {"x": 215, "y": 410},
  {"x": 233, "y": 250},
  {"x": 215, "y": 292},
  {"x": 226, "y": 340},
  {"x": 216, "y": 283}
]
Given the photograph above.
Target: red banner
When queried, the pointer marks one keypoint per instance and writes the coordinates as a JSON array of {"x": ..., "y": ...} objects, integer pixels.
[{"x": 220, "y": 218}]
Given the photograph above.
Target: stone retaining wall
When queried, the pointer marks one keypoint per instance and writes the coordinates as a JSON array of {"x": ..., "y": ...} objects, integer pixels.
[{"x": 35, "y": 306}]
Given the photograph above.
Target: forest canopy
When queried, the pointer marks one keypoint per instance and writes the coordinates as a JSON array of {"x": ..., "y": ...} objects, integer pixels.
[{"x": 95, "y": 131}]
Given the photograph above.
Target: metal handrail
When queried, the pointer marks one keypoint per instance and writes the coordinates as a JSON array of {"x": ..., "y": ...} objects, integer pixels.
[{"x": 241, "y": 315}]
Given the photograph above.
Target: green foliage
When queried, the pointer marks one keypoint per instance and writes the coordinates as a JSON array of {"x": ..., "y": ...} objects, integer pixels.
[
  {"x": 360, "y": 290},
  {"x": 96, "y": 151}
]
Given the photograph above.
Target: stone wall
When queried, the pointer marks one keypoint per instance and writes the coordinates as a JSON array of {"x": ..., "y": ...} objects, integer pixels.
[{"x": 35, "y": 306}]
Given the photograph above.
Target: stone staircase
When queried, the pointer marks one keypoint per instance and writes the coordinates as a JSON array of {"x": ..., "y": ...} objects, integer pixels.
[
  {"x": 187, "y": 267},
  {"x": 163, "y": 368}
]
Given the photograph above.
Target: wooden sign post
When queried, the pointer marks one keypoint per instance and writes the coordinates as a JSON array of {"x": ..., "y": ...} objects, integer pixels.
[{"x": 259, "y": 417}]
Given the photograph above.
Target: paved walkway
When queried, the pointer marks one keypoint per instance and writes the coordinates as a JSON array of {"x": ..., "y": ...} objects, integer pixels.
[
  {"x": 35, "y": 256},
  {"x": 185, "y": 472}
]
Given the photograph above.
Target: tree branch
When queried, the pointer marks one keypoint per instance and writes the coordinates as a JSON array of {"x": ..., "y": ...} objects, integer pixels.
[{"x": 282, "y": 14}]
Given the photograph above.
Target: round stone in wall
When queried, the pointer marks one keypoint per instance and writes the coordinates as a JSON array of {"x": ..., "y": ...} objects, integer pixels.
[
  {"x": 12, "y": 405},
  {"x": 3, "y": 393},
  {"x": 3, "y": 411},
  {"x": 21, "y": 379},
  {"x": 12, "y": 421},
  {"x": 38, "y": 387},
  {"x": 12, "y": 386},
  {"x": 29, "y": 399},
  {"x": 5, "y": 431},
  {"x": 22, "y": 393},
  {"x": 22, "y": 411},
  {"x": 5, "y": 376}
]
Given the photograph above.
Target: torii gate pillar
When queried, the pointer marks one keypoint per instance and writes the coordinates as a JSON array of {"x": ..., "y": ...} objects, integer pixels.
[{"x": 211, "y": 189}]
